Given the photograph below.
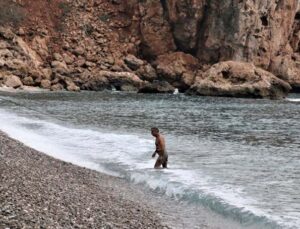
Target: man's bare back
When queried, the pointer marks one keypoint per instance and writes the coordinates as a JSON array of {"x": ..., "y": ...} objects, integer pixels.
[{"x": 160, "y": 144}]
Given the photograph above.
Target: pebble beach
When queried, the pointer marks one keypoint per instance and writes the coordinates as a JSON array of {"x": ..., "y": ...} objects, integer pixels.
[{"x": 38, "y": 191}]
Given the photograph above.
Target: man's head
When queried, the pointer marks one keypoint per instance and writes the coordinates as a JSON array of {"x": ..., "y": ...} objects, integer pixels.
[{"x": 154, "y": 131}]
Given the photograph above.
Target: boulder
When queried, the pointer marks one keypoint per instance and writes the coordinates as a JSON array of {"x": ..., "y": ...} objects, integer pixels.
[
  {"x": 177, "y": 68},
  {"x": 118, "y": 79},
  {"x": 80, "y": 62},
  {"x": 34, "y": 58},
  {"x": 59, "y": 67},
  {"x": 109, "y": 60},
  {"x": 147, "y": 72},
  {"x": 239, "y": 79},
  {"x": 58, "y": 57},
  {"x": 40, "y": 45},
  {"x": 46, "y": 84},
  {"x": 107, "y": 79},
  {"x": 95, "y": 83},
  {"x": 157, "y": 87},
  {"x": 128, "y": 88},
  {"x": 17, "y": 64},
  {"x": 36, "y": 74},
  {"x": 69, "y": 59},
  {"x": 71, "y": 86},
  {"x": 28, "y": 81},
  {"x": 133, "y": 62},
  {"x": 12, "y": 81},
  {"x": 47, "y": 73},
  {"x": 57, "y": 87},
  {"x": 79, "y": 51},
  {"x": 287, "y": 68}
]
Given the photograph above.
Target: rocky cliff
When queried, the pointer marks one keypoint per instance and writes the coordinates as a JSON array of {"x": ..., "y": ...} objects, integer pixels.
[{"x": 134, "y": 44}]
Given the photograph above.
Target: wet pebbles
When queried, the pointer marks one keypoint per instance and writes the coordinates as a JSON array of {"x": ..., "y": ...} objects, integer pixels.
[{"x": 38, "y": 191}]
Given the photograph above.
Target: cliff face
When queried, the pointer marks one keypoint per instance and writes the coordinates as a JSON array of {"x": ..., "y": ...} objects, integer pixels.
[
  {"x": 265, "y": 33},
  {"x": 253, "y": 31},
  {"x": 216, "y": 30},
  {"x": 174, "y": 40}
]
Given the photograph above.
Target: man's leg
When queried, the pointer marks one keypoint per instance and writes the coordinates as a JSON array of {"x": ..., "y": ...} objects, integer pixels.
[
  {"x": 158, "y": 163},
  {"x": 165, "y": 162}
]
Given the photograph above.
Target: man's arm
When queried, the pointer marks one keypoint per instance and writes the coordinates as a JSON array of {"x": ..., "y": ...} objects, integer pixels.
[{"x": 157, "y": 149}]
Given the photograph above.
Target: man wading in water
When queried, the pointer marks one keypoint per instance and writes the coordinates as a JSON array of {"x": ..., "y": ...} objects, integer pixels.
[{"x": 162, "y": 160}]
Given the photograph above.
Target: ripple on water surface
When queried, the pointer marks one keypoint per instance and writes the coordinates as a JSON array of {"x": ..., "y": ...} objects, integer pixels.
[{"x": 238, "y": 157}]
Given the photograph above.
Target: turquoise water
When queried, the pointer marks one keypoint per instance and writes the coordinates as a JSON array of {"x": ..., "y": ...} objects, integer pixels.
[{"x": 239, "y": 158}]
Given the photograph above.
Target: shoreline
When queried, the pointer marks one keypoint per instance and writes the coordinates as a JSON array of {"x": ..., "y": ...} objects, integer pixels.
[
  {"x": 175, "y": 212},
  {"x": 38, "y": 190},
  {"x": 23, "y": 89}
]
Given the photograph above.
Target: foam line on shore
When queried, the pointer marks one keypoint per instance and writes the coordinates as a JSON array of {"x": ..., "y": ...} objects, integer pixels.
[
  {"x": 91, "y": 157},
  {"x": 293, "y": 100},
  {"x": 50, "y": 193}
]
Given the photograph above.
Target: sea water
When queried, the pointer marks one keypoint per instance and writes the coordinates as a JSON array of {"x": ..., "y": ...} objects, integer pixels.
[{"x": 239, "y": 158}]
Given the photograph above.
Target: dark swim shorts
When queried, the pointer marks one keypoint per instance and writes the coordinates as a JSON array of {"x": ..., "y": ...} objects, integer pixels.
[{"x": 162, "y": 160}]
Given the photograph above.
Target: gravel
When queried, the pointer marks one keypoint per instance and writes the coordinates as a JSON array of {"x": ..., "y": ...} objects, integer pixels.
[{"x": 38, "y": 191}]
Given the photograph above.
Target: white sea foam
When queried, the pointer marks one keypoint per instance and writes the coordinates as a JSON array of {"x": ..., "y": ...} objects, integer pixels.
[
  {"x": 129, "y": 153},
  {"x": 27, "y": 89},
  {"x": 79, "y": 146},
  {"x": 293, "y": 100}
]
